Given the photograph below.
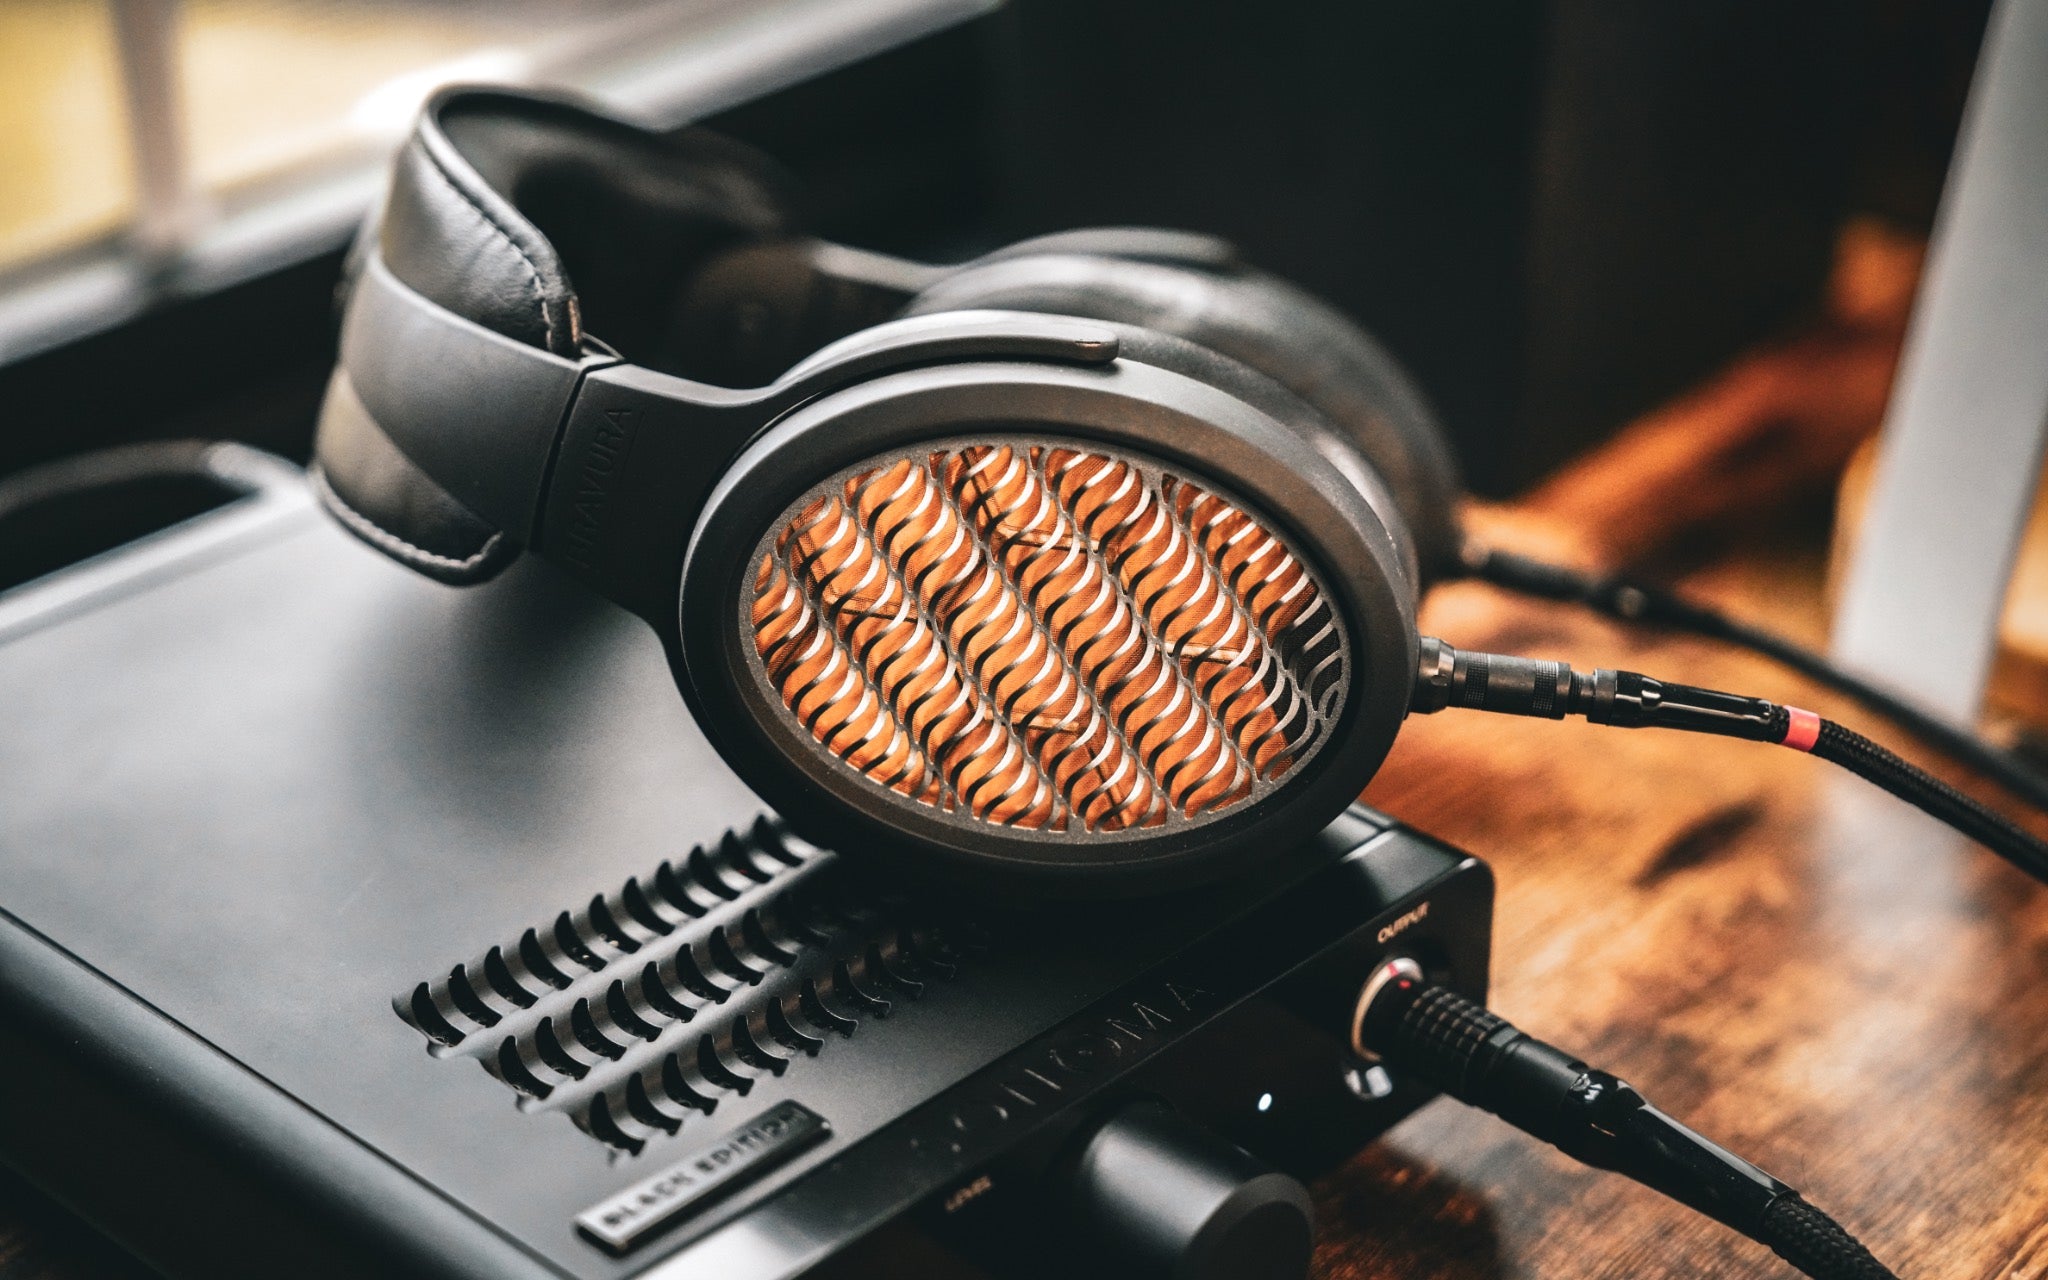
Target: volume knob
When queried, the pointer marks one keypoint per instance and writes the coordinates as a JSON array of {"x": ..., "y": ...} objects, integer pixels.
[{"x": 1170, "y": 1200}]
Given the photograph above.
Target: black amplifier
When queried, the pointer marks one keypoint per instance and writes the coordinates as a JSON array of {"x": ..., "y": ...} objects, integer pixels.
[{"x": 355, "y": 925}]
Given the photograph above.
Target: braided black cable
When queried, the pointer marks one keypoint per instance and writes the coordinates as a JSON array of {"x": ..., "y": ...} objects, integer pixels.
[
  {"x": 1960, "y": 745},
  {"x": 1816, "y": 1244},
  {"x": 1867, "y": 760}
]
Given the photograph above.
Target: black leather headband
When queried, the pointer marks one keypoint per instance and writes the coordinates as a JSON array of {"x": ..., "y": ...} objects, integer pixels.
[
  {"x": 485, "y": 421},
  {"x": 460, "y": 238}
]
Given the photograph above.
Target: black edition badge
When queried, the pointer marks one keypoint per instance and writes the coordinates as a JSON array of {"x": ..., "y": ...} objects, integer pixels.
[{"x": 630, "y": 1217}]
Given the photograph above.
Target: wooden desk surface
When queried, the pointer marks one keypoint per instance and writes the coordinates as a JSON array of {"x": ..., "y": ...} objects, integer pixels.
[{"x": 1798, "y": 966}]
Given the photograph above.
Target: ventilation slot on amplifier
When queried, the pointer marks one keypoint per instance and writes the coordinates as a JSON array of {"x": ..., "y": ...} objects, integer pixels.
[{"x": 686, "y": 987}]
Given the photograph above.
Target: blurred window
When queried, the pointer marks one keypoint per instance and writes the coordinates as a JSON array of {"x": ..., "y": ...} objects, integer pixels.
[
  {"x": 258, "y": 90},
  {"x": 157, "y": 146},
  {"x": 63, "y": 154}
]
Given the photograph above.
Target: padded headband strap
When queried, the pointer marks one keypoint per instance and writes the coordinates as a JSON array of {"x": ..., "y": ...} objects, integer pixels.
[
  {"x": 463, "y": 312},
  {"x": 483, "y": 423}
]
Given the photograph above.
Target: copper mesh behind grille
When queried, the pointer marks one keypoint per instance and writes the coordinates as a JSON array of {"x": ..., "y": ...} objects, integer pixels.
[{"x": 1047, "y": 638}]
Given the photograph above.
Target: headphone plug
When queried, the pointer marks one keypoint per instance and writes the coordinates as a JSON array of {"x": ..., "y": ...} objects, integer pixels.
[{"x": 1447, "y": 1041}]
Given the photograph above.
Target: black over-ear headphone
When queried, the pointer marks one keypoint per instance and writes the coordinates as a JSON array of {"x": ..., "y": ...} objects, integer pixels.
[{"x": 1089, "y": 565}]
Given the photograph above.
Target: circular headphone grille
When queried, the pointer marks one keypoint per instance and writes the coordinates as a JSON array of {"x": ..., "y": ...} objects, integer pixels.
[{"x": 1047, "y": 637}]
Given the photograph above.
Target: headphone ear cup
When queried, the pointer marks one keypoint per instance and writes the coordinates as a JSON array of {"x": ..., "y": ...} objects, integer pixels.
[{"x": 1261, "y": 321}]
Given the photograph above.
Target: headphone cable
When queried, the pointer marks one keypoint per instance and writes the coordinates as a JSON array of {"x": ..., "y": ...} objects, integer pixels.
[
  {"x": 1633, "y": 600},
  {"x": 1437, "y": 1037},
  {"x": 1451, "y": 677}
]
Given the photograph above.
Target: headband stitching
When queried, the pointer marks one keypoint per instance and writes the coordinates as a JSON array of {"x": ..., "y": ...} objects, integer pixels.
[{"x": 385, "y": 540}]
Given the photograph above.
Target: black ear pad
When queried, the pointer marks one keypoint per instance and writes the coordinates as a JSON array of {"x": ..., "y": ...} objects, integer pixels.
[{"x": 1283, "y": 332}]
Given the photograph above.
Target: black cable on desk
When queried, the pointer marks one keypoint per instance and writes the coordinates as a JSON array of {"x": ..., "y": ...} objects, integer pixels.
[
  {"x": 1633, "y": 600},
  {"x": 1436, "y": 1036},
  {"x": 1451, "y": 677}
]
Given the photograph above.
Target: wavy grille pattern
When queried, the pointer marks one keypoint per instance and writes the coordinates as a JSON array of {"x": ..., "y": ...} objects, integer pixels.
[
  {"x": 684, "y": 988},
  {"x": 1047, "y": 638}
]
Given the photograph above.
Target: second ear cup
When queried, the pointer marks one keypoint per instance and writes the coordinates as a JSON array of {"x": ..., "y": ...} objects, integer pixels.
[{"x": 1283, "y": 332}]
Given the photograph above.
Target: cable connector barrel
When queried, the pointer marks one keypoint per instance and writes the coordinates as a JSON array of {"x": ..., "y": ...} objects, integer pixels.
[
  {"x": 1451, "y": 677},
  {"x": 1635, "y": 601}
]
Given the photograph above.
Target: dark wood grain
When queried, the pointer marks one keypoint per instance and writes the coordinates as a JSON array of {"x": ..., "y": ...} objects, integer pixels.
[{"x": 1800, "y": 967}]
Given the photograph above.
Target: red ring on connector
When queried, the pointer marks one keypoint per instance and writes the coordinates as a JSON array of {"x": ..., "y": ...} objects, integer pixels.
[{"x": 1802, "y": 731}]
